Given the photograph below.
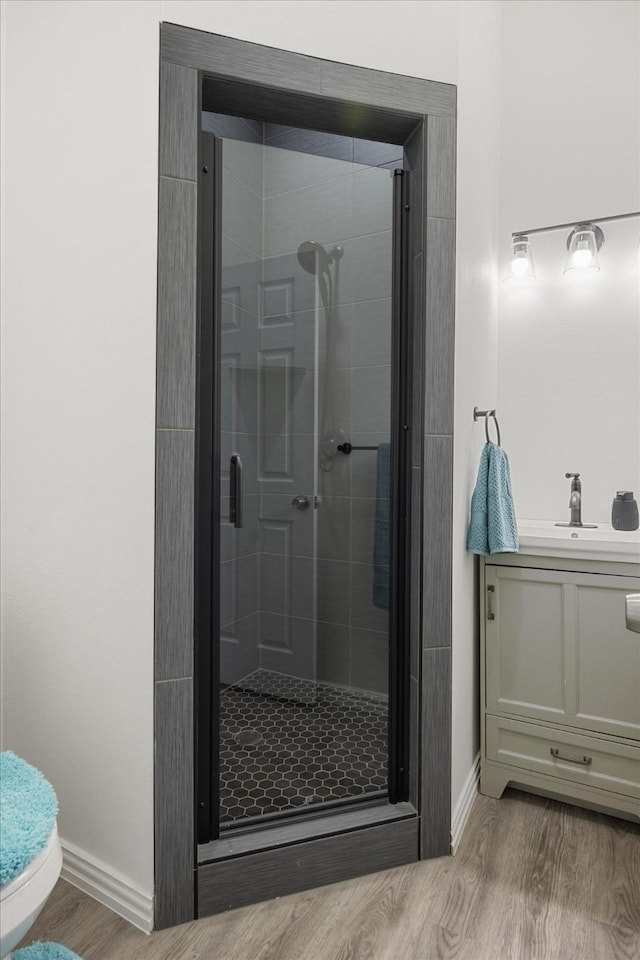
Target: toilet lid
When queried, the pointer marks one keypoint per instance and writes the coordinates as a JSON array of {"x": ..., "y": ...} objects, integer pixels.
[
  {"x": 28, "y": 810},
  {"x": 39, "y": 864}
]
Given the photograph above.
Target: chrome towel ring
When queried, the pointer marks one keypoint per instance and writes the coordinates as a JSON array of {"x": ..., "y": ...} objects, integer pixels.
[{"x": 486, "y": 414}]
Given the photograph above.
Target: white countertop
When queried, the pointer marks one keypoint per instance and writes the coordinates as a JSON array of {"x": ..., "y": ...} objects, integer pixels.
[{"x": 544, "y": 538}]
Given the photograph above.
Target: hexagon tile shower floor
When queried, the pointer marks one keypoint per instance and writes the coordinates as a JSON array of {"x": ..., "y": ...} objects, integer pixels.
[{"x": 287, "y": 743}]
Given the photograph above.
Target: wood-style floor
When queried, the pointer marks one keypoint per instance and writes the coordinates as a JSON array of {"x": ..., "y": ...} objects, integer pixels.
[{"x": 532, "y": 880}]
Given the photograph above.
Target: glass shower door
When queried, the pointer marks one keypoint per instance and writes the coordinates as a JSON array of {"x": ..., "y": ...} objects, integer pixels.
[{"x": 304, "y": 424}]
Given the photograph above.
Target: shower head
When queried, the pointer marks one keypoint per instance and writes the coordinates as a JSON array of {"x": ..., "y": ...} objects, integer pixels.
[{"x": 313, "y": 257}]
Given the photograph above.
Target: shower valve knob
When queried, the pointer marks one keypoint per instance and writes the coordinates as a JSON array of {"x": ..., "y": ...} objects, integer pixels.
[{"x": 300, "y": 503}]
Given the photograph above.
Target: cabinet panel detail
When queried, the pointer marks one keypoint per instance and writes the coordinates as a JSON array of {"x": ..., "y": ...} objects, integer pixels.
[
  {"x": 608, "y": 660},
  {"x": 526, "y": 640},
  {"x": 565, "y": 755}
]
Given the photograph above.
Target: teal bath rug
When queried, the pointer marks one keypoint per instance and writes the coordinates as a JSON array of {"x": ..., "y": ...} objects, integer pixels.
[{"x": 45, "y": 951}]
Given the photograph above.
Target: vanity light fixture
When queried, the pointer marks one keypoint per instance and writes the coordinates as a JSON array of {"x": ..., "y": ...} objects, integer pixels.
[
  {"x": 521, "y": 258},
  {"x": 583, "y": 243}
]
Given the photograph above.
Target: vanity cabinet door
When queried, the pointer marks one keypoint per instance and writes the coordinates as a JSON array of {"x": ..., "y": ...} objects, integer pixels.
[
  {"x": 525, "y": 650},
  {"x": 557, "y": 648},
  {"x": 607, "y": 662}
]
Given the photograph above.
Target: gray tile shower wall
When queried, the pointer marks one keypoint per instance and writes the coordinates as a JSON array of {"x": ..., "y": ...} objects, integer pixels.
[
  {"x": 238, "y": 586},
  {"x": 239, "y": 649},
  {"x": 317, "y": 210},
  {"x": 371, "y": 333},
  {"x": 274, "y": 200},
  {"x": 369, "y": 660},
  {"x": 333, "y": 653},
  {"x": 286, "y": 417},
  {"x": 333, "y": 200},
  {"x": 242, "y": 210},
  {"x": 242, "y": 226},
  {"x": 287, "y": 644}
]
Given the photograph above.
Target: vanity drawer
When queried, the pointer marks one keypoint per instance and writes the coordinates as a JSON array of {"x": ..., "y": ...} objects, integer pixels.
[{"x": 604, "y": 764}]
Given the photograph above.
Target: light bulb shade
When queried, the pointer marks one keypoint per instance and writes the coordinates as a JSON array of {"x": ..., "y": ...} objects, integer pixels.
[
  {"x": 521, "y": 264},
  {"x": 583, "y": 244}
]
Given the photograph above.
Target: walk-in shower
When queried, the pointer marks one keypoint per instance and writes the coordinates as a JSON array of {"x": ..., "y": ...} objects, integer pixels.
[
  {"x": 279, "y": 584},
  {"x": 302, "y": 455}
]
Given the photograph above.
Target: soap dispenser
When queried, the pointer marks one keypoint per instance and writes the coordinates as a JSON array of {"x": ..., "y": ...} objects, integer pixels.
[{"x": 624, "y": 511}]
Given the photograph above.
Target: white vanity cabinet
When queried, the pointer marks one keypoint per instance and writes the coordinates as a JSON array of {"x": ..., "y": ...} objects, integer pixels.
[{"x": 561, "y": 680}]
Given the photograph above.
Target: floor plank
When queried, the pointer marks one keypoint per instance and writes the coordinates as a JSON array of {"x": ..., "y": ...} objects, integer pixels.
[{"x": 532, "y": 880}]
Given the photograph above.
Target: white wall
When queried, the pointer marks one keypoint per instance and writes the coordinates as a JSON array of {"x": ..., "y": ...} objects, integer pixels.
[
  {"x": 79, "y": 157},
  {"x": 365, "y": 34},
  {"x": 569, "y": 364},
  {"x": 479, "y": 80}
]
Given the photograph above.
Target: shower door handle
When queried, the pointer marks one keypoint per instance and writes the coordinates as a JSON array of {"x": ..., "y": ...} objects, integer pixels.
[{"x": 235, "y": 490}]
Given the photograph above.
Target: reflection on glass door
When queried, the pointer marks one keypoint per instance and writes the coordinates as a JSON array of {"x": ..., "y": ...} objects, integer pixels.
[{"x": 305, "y": 429}]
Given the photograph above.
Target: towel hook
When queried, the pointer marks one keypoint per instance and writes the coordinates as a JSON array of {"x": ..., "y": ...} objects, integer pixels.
[
  {"x": 486, "y": 414},
  {"x": 491, "y": 413}
]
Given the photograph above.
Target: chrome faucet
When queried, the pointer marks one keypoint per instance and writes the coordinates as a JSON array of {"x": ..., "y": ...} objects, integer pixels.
[
  {"x": 575, "y": 503},
  {"x": 575, "y": 499}
]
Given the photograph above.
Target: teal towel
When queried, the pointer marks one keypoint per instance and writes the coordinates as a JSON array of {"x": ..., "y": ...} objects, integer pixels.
[
  {"x": 45, "y": 951},
  {"x": 28, "y": 811},
  {"x": 492, "y": 524}
]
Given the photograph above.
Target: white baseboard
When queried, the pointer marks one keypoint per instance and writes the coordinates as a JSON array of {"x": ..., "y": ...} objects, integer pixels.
[
  {"x": 107, "y": 886},
  {"x": 118, "y": 893},
  {"x": 464, "y": 804}
]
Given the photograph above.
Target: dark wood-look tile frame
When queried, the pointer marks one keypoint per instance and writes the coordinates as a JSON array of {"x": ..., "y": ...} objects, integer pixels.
[
  {"x": 174, "y": 554},
  {"x": 439, "y": 290},
  {"x": 176, "y": 346},
  {"x": 227, "y": 884},
  {"x": 299, "y": 90},
  {"x": 178, "y": 133},
  {"x": 174, "y": 822}
]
